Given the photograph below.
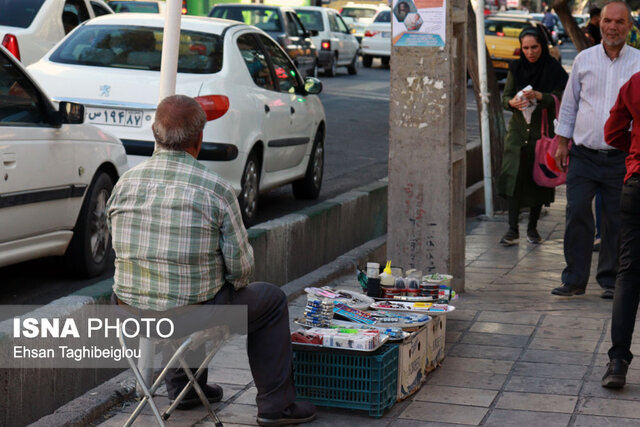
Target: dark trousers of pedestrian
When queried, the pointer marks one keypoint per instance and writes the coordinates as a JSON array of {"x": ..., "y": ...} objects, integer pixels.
[
  {"x": 591, "y": 171},
  {"x": 627, "y": 293},
  {"x": 514, "y": 215},
  {"x": 268, "y": 345}
]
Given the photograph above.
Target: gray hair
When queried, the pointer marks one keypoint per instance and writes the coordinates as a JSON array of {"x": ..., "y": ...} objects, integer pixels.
[
  {"x": 178, "y": 123},
  {"x": 629, "y": 16}
]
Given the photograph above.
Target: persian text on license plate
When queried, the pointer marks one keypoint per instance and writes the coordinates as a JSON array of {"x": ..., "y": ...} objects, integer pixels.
[
  {"x": 500, "y": 64},
  {"x": 114, "y": 117},
  {"x": 386, "y": 34}
]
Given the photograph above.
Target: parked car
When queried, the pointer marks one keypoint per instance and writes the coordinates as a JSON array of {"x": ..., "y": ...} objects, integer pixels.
[
  {"x": 266, "y": 127},
  {"x": 359, "y": 16},
  {"x": 377, "y": 39},
  {"x": 137, "y": 6},
  {"x": 57, "y": 176},
  {"x": 282, "y": 24},
  {"x": 29, "y": 28},
  {"x": 337, "y": 46},
  {"x": 501, "y": 38}
]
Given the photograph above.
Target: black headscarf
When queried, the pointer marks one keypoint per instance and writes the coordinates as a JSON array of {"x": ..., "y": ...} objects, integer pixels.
[{"x": 544, "y": 75}]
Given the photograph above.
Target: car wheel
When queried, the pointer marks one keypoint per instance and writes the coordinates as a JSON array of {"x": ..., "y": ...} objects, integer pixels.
[
  {"x": 385, "y": 61},
  {"x": 352, "y": 68},
  {"x": 250, "y": 183},
  {"x": 332, "y": 70},
  {"x": 367, "y": 60},
  {"x": 309, "y": 187},
  {"x": 90, "y": 246}
]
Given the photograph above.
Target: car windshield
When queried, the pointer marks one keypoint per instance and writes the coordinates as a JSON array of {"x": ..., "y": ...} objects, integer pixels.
[
  {"x": 19, "y": 13},
  {"x": 504, "y": 28},
  {"x": 356, "y": 13},
  {"x": 134, "y": 6},
  {"x": 383, "y": 17},
  {"x": 311, "y": 19},
  {"x": 263, "y": 18},
  {"x": 138, "y": 48}
]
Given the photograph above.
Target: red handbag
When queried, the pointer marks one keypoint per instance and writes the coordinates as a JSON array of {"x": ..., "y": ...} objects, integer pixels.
[{"x": 546, "y": 172}]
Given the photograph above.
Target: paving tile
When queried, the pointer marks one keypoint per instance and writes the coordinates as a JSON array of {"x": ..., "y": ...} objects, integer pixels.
[
  {"x": 549, "y": 370},
  {"x": 563, "y": 344},
  {"x": 446, "y": 413},
  {"x": 502, "y": 328},
  {"x": 466, "y": 379},
  {"x": 595, "y": 389},
  {"x": 330, "y": 417},
  {"x": 456, "y": 395},
  {"x": 459, "y": 314},
  {"x": 544, "y": 385},
  {"x": 248, "y": 397},
  {"x": 230, "y": 375},
  {"x": 633, "y": 375},
  {"x": 609, "y": 407},
  {"x": 238, "y": 414},
  {"x": 594, "y": 421},
  {"x": 415, "y": 423},
  {"x": 557, "y": 356},
  {"x": 510, "y": 418},
  {"x": 452, "y": 337},
  {"x": 494, "y": 339},
  {"x": 572, "y": 322},
  {"x": 465, "y": 364},
  {"x": 485, "y": 352},
  {"x": 457, "y": 325},
  {"x": 516, "y": 318},
  {"x": 537, "y": 402},
  {"x": 569, "y": 333}
]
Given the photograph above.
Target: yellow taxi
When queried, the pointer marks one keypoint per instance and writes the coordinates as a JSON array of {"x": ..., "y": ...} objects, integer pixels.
[{"x": 501, "y": 37}]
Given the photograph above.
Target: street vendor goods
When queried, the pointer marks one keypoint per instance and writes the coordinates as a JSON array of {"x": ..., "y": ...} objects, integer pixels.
[
  {"x": 345, "y": 338},
  {"x": 424, "y": 307}
]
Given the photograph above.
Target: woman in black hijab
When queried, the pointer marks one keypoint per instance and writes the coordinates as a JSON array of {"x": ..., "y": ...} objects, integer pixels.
[{"x": 535, "y": 68}]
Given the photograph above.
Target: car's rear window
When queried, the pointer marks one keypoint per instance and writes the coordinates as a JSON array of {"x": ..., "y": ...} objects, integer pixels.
[
  {"x": 138, "y": 48},
  {"x": 504, "y": 28},
  {"x": 19, "y": 13},
  {"x": 134, "y": 6},
  {"x": 354, "y": 12},
  {"x": 311, "y": 19},
  {"x": 264, "y": 18},
  {"x": 383, "y": 17}
]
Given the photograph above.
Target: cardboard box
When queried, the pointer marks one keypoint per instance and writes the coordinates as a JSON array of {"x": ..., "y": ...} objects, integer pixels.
[
  {"x": 412, "y": 356},
  {"x": 436, "y": 333}
]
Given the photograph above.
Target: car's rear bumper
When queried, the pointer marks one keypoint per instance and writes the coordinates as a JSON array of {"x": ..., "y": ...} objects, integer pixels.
[{"x": 324, "y": 58}]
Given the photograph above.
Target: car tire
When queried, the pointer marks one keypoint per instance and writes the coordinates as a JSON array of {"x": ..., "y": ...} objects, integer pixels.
[
  {"x": 308, "y": 187},
  {"x": 352, "y": 68},
  {"x": 367, "y": 60},
  {"x": 385, "y": 61},
  {"x": 250, "y": 188},
  {"x": 90, "y": 248},
  {"x": 331, "y": 70}
]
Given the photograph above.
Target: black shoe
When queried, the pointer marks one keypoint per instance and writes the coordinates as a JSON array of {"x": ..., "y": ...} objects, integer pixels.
[
  {"x": 607, "y": 294},
  {"x": 296, "y": 413},
  {"x": 567, "y": 291},
  {"x": 511, "y": 238},
  {"x": 533, "y": 237},
  {"x": 191, "y": 400},
  {"x": 616, "y": 374}
]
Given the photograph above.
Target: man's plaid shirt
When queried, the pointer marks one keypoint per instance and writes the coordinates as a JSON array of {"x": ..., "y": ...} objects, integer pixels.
[{"x": 177, "y": 232}]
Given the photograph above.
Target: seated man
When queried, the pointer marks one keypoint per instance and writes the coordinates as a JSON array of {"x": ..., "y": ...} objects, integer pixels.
[{"x": 179, "y": 240}]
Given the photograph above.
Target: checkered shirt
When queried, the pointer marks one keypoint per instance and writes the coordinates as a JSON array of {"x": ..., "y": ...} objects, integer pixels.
[{"x": 177, "y": 232}]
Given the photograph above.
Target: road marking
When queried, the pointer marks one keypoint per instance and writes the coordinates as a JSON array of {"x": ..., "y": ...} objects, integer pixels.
[{"x": 347, "y": 94}]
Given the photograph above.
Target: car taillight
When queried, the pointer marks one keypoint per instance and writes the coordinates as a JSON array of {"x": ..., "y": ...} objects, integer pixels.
[
  {"x": 184, "y": 7},
  {"x": 516, "y": 52},
  {"x": 499, "y": 34},
  {"x": 10, "y": 42},
  {"x": 370, "y": 33},
  {"x": 214, "y": 106},
  {"x": 326, "y": 45}
]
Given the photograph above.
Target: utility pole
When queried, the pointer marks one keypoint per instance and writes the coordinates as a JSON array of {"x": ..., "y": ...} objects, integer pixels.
[{"x": 427, "y": 139}]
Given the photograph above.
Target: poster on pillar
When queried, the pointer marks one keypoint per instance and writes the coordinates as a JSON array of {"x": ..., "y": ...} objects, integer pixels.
[{"x": 419, "y": 22}]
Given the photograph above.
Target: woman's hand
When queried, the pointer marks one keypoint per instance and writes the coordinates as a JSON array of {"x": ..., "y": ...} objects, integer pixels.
[
  {"x": 532, "y": 94},
  {"x": 518, "y": 103}
]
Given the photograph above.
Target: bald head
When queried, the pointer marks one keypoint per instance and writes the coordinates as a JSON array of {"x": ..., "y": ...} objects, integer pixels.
[{"x": 178, "y": 124}]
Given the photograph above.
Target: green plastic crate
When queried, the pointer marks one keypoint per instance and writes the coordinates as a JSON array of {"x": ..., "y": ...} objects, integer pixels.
[{"x": 329, "y": 377}]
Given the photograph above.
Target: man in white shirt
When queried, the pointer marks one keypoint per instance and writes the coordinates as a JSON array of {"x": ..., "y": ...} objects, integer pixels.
[{"x": 596, "y": 77}]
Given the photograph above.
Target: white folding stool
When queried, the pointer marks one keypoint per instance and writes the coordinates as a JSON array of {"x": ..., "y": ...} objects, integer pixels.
[{"x": 217, "y": 335}]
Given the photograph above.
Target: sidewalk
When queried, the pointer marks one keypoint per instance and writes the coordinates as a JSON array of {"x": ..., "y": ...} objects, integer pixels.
[{"x": 516, "y": 355}]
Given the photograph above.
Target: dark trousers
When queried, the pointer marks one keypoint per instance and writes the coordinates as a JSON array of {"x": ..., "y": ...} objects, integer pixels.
[
  {"x": 627, "y": 293},
  {"x": 268, "y": 345},
  {"x": 514, "y": 215},
  {"x": 591, "y": 171}
]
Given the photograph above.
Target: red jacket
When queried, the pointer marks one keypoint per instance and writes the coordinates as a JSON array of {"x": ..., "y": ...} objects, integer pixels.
[{"x": 616, "y": 130}]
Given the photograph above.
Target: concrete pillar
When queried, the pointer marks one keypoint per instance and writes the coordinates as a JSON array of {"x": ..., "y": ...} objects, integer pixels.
[{"x": 427, "y": 148}]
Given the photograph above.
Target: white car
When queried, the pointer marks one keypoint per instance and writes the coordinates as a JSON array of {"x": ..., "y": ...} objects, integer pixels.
[
  {"x": 358, "y": 16},
  {"x": 29, "y": 28},
  {"x": 266, "y": 127},
  {"x": 57, "y": 175},
  {"x": 137, "y": 6},
  {"x": 336, "y": 45},
  {"x": 377, "y": 39}
]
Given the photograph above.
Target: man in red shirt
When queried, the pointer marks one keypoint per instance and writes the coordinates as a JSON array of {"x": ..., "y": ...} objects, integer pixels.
[{"x": 625, "y": 113}]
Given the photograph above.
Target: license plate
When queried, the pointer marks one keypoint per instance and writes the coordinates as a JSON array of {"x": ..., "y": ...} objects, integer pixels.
[
  {"x": 500, "y": 64},
  {"x": 114, "y": 117},
  {"x": 386, "y": 34}
]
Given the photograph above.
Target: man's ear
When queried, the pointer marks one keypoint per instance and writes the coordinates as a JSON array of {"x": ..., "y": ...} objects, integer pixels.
[{"x": 199, "y": 143}]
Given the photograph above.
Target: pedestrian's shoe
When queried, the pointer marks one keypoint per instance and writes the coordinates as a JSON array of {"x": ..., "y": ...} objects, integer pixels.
[
  {"x": 191, "y": 400},
  {"x": 616, "y": 374},
  {"x": 533, "y": 237},
  {"x": 596, "y": 245},
  {"x": 567, "y": 291},
  {"x": 511, "y": 238},
  {"x": 607, "y": 294},
  {"x": 296, "y": 413}
]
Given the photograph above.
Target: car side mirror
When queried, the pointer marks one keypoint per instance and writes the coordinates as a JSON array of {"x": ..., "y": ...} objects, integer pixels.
[
  {"x": 71, "y": 113},
  {"x": 312, "y": 86}
]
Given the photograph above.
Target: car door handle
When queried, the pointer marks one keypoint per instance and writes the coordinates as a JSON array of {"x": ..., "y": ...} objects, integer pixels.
[
  {"x": 266, "y": 109},
  {"x": 9, "y": 160},
  {"x": 293, "y": 110}
]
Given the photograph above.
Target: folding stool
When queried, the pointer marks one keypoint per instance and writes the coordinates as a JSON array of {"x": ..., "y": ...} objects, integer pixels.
[{"x": 144, "y": 372}]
